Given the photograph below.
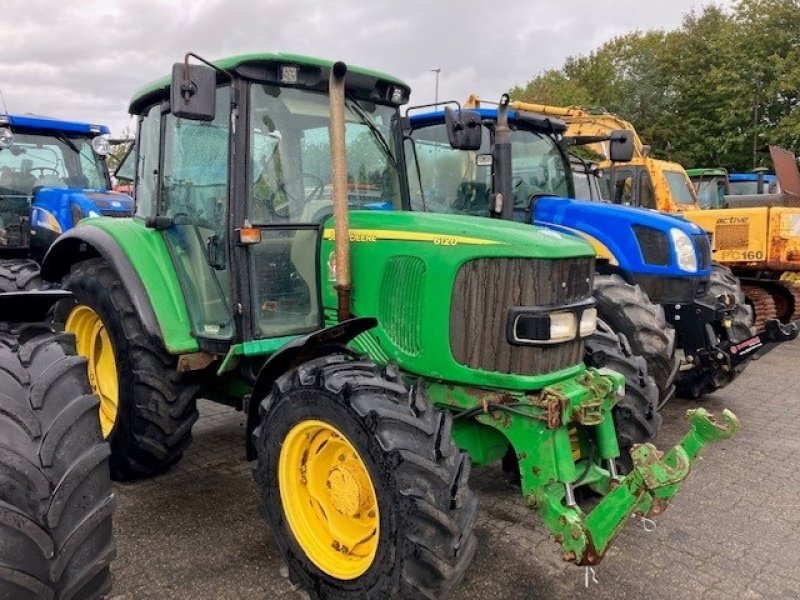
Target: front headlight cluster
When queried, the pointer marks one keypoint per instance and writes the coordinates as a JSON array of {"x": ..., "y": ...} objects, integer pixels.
[
  {"x": 535, "y": 326},
  {"x": 684, "y": 250}
]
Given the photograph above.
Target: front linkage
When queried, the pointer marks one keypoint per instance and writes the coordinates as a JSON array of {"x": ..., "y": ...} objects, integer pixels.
[
  {"x": 564, "y": 438},
  {"x": 721, "y": 353}
]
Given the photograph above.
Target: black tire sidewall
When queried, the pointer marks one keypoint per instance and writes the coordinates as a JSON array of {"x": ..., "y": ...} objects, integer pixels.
[
  {"x": 89, "y": 291},
  {"x": 306, "y": 404}
]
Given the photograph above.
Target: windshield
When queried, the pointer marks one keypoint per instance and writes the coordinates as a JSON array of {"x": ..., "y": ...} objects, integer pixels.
[
  {"x": 58, "y": 161},
  {"x": 710, "y": 192},
  {"x": 460, "y": 181},
  {"x": 750, "y": 188},
  {"x": 680, "y": 187},
  {"x": 290, "y": 156}
]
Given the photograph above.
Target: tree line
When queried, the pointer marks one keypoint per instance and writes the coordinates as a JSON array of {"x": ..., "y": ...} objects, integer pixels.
[{"x": 713, "y": 92}]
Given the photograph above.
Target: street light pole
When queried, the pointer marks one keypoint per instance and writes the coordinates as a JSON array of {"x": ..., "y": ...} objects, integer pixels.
[{"x": 436, "y": 94}]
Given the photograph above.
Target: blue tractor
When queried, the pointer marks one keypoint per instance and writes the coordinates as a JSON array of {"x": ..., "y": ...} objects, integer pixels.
[
  {"x": 52, "y": 175},
  {"x": 655, "y": 284}
]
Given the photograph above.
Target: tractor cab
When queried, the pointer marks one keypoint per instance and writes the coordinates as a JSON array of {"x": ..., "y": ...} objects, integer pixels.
[
  {"x": 52, "y": 175},
  {"x": 262, "y": 214}
]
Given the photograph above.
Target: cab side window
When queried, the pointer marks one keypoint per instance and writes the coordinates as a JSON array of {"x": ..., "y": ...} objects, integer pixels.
[
  {"x": 647, "y": 197},
  {"x": 147, "y": 163},
  {"x": 623, "y": 188}
]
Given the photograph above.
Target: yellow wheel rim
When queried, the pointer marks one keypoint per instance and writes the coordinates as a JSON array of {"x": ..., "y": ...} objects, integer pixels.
[
  {"x": 93, "y": 342},
  {"x": 328, "y": 499}
]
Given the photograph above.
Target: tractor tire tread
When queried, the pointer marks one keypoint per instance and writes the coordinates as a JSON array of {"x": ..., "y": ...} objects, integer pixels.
[
  {"x": 429, "y": 474},
  {"x": 19, "y": 275},
  {"x": 627, "y": 310},
  {"x": 162, "y": 403},
  {"x": 56, "y": 538}
]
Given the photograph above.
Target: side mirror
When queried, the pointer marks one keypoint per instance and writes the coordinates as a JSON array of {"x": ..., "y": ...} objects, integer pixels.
[
  {"x": 193, "y": 92},
  {"x": 464, "y": 131},
  {"x": 621, "y": 146}
]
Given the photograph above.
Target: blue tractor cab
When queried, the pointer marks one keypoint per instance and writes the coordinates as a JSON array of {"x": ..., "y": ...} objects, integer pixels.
[
  {"x": 757, "y": 182},
  {"x": 655, "y": 282},
  {"x": 52, "y": 175}
]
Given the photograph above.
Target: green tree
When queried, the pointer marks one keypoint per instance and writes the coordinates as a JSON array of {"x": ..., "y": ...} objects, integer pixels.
[{"x": 716, "y": 90}]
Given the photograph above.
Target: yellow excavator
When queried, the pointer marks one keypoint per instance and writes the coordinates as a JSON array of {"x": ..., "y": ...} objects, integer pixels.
[{"x": 756, "y": 237}]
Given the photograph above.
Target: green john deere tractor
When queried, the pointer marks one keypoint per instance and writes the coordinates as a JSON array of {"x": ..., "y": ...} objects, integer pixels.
[{"x": 377, "y": 353}]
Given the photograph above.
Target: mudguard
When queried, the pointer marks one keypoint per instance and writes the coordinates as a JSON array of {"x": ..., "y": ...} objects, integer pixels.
[
  {"x": 300, "y": 350},
  {"x": 140, "y": 258}
]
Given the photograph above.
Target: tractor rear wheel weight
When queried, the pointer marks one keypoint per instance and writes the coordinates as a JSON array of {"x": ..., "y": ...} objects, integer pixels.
[
  {"x": 627, "y": 310},
  {"x": 636, "y": 416},
  {"x": 156, "y": 405},
  {"x": 696, "y": 381},
  {"x": 19, "y": 274},
  {"x": 56, "y": 499},
  {"x": 425, "y": 540}
]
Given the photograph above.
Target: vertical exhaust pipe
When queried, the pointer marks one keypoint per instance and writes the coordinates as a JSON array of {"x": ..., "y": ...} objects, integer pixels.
[
  {"x": 502, "y": 161},
  {"x": 339, "y": 179}
]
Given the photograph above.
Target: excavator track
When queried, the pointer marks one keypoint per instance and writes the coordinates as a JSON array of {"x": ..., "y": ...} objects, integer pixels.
[
  {"x": 786, "y": 312},
  {"x": 763, "y": 305}
]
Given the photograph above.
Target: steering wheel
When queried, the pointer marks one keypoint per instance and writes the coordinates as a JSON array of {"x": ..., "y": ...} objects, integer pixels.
[
  {"x": 42, "y": 171},
  {"x": 284, "y": 209}
]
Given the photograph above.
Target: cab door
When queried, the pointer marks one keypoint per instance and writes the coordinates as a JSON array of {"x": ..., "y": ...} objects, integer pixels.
[{"x": 192, "y": 204}]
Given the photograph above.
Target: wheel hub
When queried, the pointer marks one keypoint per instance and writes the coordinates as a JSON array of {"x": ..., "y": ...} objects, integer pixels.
[
  {"x": 349, "y": 488},
  {"x": 328, "y": 499}
]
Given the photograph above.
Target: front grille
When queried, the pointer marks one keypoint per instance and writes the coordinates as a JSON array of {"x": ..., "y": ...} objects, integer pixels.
[
  {"x": 703, "y": 244},
  {"x": 485, "y": 290},
  {"x": 732, "y": 236},
  {"x": 653, "y": 244},
  {"x": 400, "y": 305}
]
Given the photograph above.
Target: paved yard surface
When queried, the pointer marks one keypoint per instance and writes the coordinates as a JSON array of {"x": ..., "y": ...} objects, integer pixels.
[{"x": 733, "y": 532}]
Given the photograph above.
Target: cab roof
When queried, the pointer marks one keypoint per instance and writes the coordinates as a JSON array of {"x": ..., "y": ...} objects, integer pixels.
[
  {"x": 706, "y": 172},
  {"x": 544, "y": 121},
  {"x": 247, "y": 65},
  {"x": 34, "y": 123},
  {"x": 751, "y": 177}
]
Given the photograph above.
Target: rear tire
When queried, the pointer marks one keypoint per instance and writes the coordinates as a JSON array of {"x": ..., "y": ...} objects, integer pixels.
[
  {"x": 56, "y": 500},
  {"x": 627, "y": 310},
  {"x": 18, "y": 275},
  {"x": 698, "y": 381},
  {"x": 156, "y": 405},
  {"x": 424, "y": 541},
  {"x": 635, "y": 416}
]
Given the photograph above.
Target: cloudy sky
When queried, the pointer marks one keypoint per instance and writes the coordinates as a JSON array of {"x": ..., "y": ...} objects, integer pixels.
[{"x": 83, "y": 59}]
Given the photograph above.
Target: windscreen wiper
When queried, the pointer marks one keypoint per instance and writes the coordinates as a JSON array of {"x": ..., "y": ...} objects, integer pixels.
[{"x": 367, "y": 120}]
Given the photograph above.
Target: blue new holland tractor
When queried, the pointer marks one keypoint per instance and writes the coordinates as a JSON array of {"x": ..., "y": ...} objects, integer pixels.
[
  {"x": 655, "y": 286},
  {"x": 52, "y": 175}
]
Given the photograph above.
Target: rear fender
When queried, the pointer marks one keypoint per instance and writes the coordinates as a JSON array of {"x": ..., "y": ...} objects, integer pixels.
[
  {"x": 308, "y": 347},
  {"x": 140, "y": 259}
]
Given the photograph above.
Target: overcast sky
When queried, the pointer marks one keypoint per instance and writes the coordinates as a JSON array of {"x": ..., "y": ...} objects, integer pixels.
[{"x": 83, "y": 59}]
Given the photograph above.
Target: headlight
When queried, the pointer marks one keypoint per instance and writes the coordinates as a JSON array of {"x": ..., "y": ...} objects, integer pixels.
[
  {"x": 588, "y": 322},
  {"x": 537, "y": 326},
  {"x": 684, "y": 249},
  {"x": 101, "y": 145},
  {"x": 6, "y": 138}
]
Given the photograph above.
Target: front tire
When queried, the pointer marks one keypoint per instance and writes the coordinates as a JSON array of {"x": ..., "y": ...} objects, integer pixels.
[
  {"x": 147, "y": 407},
  {"x": 56, "y": 500},
  {"x": 636, "y": 416},
  {"x": 361, "y": 485},
  {"x": 627, "y": 310},
  {"x": 698, "y": 381}
]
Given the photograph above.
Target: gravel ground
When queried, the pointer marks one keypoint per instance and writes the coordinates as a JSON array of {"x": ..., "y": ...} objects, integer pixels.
[{"x": 732, "y": 532}]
